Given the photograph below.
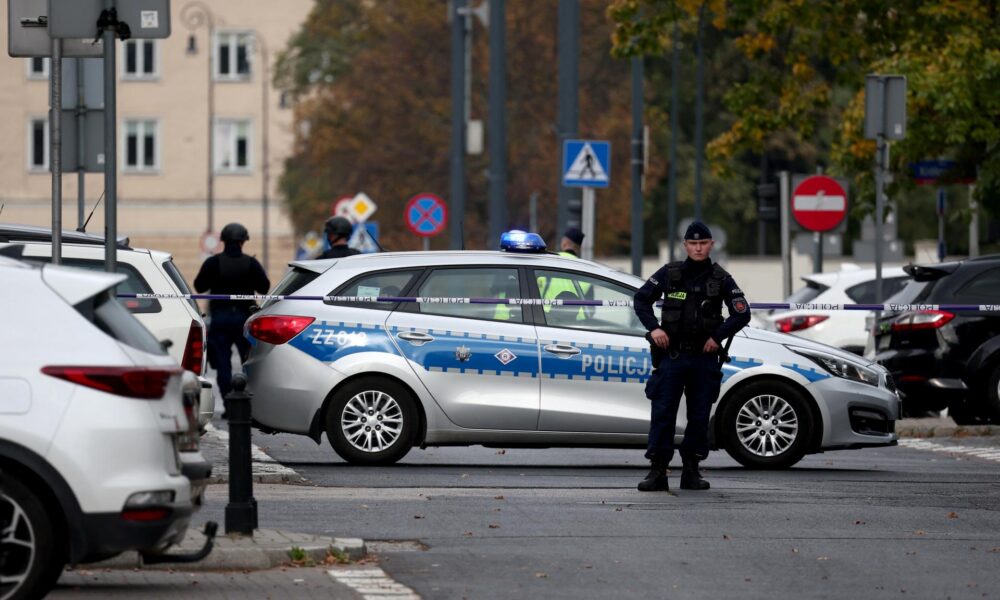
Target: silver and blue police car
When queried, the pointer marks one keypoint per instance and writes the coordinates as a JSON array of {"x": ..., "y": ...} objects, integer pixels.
[{"x": 380, "y": 377}]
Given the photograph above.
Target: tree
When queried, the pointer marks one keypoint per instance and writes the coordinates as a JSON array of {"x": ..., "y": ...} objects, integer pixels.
[
  {"x": 805, "y": 67},
  {"x": 373, "y": 114}
]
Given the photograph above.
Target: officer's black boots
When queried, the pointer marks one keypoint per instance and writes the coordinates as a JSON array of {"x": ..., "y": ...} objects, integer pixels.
[
  {"x": 655, "y": 481},
  {"x": 691, "y": 477}
]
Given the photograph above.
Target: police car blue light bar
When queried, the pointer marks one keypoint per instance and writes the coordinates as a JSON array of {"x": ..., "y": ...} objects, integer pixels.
[{"x": 516, "y": 240}]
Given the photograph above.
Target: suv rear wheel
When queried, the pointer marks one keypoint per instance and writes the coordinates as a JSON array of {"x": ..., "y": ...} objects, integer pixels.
[
  {"x": 30, "y": 563},
  {"x": 372, "y": 421}
]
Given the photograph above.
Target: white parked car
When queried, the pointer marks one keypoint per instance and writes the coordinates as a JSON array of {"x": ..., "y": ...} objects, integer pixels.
[
  {"x": 844, "y": 329},
  {"x": 176, "y": 322},
  {"x": 91, "y": 417}
]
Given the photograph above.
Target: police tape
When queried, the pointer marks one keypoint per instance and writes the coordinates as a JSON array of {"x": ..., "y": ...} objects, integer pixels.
[{"x": 559, "y": 302}]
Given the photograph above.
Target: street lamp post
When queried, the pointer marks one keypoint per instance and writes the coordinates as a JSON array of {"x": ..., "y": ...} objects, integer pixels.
[
  {"x": 195, "y": 15},
  {"x": 265, "y": 163}
]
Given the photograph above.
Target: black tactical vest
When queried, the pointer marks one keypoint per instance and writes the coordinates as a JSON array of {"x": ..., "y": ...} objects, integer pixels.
[{"x": 692, "y": 306}]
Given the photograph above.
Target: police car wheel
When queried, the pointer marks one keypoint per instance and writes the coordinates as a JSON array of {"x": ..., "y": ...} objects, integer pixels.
[
  {"x": 372, "y": 421},
  {"x": 30, "y": 562},
  {"x": 767, "y": 425}
]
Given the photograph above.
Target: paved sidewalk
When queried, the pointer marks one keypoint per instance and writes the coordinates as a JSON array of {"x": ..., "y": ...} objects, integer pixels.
[
  {"x": 268, "y": 548},
  {"x": 215, "y": 449}
]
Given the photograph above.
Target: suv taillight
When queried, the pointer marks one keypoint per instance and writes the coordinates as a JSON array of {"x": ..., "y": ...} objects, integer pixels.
[
  {"x": 790, "y": 324},
  {"x": 194, "y": 349},
  {"x": 134, "y": 382},
  {"x": 924, "y": 319},
  {"x": 277, "y": 329}
]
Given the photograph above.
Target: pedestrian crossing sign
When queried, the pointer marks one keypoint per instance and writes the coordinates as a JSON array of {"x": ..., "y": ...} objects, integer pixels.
[{"x": 586, "y": 163}]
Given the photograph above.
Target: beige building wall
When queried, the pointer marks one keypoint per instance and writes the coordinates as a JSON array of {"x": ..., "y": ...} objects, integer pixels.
[{"x": 166, "y": 207}]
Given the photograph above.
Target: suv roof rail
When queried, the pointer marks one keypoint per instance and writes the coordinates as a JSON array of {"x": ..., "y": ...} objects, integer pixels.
[{"x": 29, "y": 233}]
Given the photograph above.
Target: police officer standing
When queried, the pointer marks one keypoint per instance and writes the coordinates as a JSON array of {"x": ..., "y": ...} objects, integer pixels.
[
  {"x": 230, "y": 272},
  {"x": 338, "y": 233},
  {"x": 687, "y": 352}
]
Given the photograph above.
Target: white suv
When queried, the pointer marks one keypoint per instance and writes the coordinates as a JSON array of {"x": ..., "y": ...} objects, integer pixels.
[
  {"x": 90, "y": 421},
  {"x": 176, "y": 322}
]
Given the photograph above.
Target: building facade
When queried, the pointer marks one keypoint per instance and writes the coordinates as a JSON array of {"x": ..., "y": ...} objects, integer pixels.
[{"x": 170, "y": 159}]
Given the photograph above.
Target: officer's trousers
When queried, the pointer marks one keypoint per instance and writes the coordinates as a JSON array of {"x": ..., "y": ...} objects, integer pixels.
[
  {"x": 224, "y": 330},
  {"x": 696, "y": 376}
]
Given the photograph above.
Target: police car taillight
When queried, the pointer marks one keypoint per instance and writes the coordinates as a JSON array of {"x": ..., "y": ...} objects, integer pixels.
[
  {"x": 521, "y": 241},
  {"x": 277, "y": 329}
]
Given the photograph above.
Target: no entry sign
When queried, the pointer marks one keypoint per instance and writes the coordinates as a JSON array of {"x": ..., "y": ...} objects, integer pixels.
[
  {"x": 426, "y": 215},
  {"x": 819, "y": 203}
]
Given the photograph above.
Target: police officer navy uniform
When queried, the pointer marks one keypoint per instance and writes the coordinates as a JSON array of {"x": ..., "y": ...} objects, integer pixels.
[
  {"x": 338, "y": 233},
  {"x": 229, "y": 272},
  {"x": 687, "y": 353}
]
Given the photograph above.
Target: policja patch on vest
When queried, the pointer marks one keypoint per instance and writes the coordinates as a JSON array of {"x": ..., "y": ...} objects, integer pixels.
[{"x": 677, "y": 295}]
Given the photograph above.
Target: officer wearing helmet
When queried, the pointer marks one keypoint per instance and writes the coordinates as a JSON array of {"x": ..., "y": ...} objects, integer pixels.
[
  {"x": 688, "y": 349},
  {"x": 338, "y": 233},
  {"x": 229, "y": 272}
]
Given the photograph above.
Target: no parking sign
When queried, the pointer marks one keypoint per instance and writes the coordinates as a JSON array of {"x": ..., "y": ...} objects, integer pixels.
[{"x": 426, "y": 215}]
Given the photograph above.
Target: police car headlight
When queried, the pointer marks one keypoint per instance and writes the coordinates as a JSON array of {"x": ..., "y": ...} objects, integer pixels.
[{"x": 840, "y": 367}]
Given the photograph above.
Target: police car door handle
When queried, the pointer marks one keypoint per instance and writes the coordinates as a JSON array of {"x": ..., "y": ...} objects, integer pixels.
[
  {"x": 415, "y": 337},
  {"x": 563, "y": 350}
]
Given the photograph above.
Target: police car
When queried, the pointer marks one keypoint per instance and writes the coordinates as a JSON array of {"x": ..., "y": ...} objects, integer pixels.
[{"x": 347, "y": 352}]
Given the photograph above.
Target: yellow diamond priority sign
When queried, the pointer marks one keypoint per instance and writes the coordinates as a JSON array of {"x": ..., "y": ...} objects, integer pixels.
[{"x": 361, "y": 207}]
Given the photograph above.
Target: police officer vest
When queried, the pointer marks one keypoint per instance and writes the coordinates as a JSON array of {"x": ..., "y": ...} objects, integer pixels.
[{"x": 692, "y": 309}]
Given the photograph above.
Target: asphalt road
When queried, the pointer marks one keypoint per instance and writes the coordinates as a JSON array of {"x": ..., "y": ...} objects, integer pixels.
[{"x": 476, "y": 522}]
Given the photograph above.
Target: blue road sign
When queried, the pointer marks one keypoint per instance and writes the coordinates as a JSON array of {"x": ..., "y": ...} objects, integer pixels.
[
  {"x": 426, "y": 215},
  {"x": 586, "y": 163}
]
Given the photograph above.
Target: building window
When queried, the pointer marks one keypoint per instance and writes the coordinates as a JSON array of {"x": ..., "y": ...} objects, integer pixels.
[
  {"x": 141, "y": 148},
  {"x": 38, "y": 67},
  {"x": 232, "y": 146},
  {"x": 139, "y": 59},
  {"x": 38, "y": 144},
  {"x": 232, "y": 55}
]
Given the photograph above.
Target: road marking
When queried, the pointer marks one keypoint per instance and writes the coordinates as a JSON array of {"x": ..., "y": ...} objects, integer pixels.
[
  {"x": 373, "y": 583},
  {"x": 262, "y": 462},
  {"x": 985, "y": 452}
]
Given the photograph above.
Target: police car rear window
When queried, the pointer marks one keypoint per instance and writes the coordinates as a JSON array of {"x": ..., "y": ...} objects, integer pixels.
[
  {"x": 134, "y": 284},
  {"x": 374, "y": 285},
  {"x": 293, "y": 281},
  {"x": 178, "y": 279}
]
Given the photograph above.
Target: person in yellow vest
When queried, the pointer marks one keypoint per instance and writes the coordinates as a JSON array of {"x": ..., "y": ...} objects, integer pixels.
[{"x": 565, "y": 289}]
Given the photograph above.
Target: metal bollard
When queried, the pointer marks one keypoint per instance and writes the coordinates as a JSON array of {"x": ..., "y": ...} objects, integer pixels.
[{"x": 241, "y": 512}]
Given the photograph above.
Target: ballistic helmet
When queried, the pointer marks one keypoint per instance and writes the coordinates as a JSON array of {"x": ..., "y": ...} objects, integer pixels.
[
  {"x": 338, "y": 227},
  {"x": 234, "y": 232}
]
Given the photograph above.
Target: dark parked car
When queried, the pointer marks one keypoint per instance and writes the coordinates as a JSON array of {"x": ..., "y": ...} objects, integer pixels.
[{"x": 944, "y": 358}]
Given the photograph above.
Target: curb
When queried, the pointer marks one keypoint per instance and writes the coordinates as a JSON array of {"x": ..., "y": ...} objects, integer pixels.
[
  {"x": 266, "y": 549},
  {"x": 957, "y": 431}
]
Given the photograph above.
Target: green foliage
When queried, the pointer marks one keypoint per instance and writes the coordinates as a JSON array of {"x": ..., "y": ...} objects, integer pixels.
[{"x": 805, "y": 63}]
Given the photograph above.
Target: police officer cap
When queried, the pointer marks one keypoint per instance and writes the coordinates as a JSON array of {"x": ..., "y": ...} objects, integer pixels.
[
  {"x": 234, "y": 232},
  {"x": 698, "y": 231},
  {"x": 574, "y": 235},
  {"x": 338, "y": 227}
]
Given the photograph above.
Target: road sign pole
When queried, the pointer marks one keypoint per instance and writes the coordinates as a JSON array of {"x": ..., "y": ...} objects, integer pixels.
[
  {"x": 882, "y": 156},
  {"x": 637, "y": 164},
  {"x": 110, "y": 148},
  {"x": 427, "y": 244},
  {"x": 55, "y": 147},
  {"x": 81, "y": 143},
  {"x": 817, "y": 252},
  {"x": 973, "y": 223},
  {"x": 497, "y": 123},
  {"x": 588, "y": 224},
  {"x": 457, "y": 163},
  {"x": 786, "y": 253},
  {"x": 941, "y": 200}
]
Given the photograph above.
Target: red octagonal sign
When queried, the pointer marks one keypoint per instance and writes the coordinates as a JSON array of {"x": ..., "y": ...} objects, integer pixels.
[{"x": 819, "y": 203}]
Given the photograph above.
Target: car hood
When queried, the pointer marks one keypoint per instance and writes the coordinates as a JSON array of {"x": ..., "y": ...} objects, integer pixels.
[{"x": 791, "y": 340}]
